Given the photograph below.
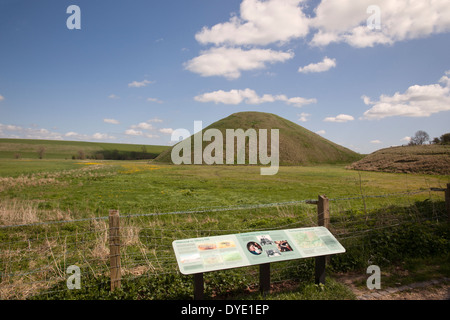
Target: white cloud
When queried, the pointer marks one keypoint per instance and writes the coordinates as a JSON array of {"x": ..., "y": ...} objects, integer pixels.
[
  {"x": 296, "y": 101},
  {"x": 132, "y": 132},
  {"x": 166, "y": 130},
  {"x": 416, "y": 101},
  {"x": 321, "y": 132},
  {"x": 139, "y": 84},
  {"x": 229, "y": 62},
  {"x": 86, "y": 137},
  {"x": 113, "y": 96},
  {"x": 260, "y": 23},
  {"x": 322, "y": 38},
  {"x": 225, "y": 97},
  {"x": 249, "y": 96},
  {"x": 346, "y": 21},
  {"x": 13, "y": 131},
  {"x": 151, "y": 136},
  {"x": 2, "y": 98},
  {"x": 10, "y": 127},
  {"x": 324, "y": 65},
  {"x": 154, "y": 100},
  {"x": 72, "y": 134},
  {"x": 268, "y": 22},
  {"x": 445, "y": 80},
  {"x": 102, "y": 136},
  {"x": 139, "y": 133},
  {"x": 142, "y": 126},
  {"x": 339, "y": 118},
  {"x": 375, "y": 141},
  {"x": 406, "y": 139},
  {"x": 111, "y": 121},
  {"x": 303, "y": 117},
  {"x": 155, "y": 120},
  {"x": 234, "y": 97},
  {"x": 138, "y": 129},
  {"x": 366, "y": 100}
]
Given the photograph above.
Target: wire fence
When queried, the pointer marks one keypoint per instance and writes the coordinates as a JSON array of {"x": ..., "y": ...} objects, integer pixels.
[{"x": 35, "y": 257}]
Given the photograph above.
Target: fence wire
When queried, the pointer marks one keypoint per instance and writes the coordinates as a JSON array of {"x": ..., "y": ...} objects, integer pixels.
[{"x": 34, "y": 257}]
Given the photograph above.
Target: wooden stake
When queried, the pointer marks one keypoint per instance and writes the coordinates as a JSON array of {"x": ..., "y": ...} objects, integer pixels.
[
  {"x": 323, "y": 212},
  {"x": 323, "y": 220},
  {"x": 447, "y": 200},
  {"x": 114, "y": 248}
]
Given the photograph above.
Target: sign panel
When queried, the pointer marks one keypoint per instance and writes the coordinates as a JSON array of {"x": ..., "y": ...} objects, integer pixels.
[{"x": 199, "y": 255}]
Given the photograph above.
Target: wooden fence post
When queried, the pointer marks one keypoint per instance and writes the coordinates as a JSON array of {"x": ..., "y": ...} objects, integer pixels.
[
  {"x": 447, "y": 200},
  {"x": 323, "y": 219},
  {"x": 323, "y": 212},
  {"x": 114, "y": 248}
]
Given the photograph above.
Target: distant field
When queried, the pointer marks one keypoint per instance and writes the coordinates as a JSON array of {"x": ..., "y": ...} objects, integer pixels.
[
  {"x": 57, "y": 149},
  {"x": 89, "y": 187}
]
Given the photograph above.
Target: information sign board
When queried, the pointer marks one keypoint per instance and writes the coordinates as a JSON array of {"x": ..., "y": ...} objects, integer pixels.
[{"x": 198, "y": 255}]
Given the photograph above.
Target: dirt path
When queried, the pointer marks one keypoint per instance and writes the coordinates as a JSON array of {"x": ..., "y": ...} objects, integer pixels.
[
  {"x": 433, "y": 292},
  {"x": 438, "y": 289}
]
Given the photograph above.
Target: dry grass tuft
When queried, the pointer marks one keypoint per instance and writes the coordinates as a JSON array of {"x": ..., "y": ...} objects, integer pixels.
[
  {"x": 15, "y": 211},
  {"x": 101, "y": 243},
  {"x": 18, "y": 212}
]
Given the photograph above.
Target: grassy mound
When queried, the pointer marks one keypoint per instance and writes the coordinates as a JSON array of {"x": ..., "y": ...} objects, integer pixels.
[
  {"x": 427, "y": 159},
  {"x": 298, "y": 146}
]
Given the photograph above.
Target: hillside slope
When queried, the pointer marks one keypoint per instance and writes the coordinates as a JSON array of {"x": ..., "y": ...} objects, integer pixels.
[
  {"x": 428, "y": 159},
  {"x": 298, "y": 146},
  {"x": 61, "y": 149}
]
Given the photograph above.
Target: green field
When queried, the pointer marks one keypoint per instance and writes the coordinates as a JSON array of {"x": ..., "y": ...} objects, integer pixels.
[
  {"x": 55, "y": 149},
  {"x": 139, "y": 187},
  {"x": 36, "y": 192}
]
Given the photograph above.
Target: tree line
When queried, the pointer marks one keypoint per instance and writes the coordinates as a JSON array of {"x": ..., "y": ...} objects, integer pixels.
[{"x": 102, "y": 155}]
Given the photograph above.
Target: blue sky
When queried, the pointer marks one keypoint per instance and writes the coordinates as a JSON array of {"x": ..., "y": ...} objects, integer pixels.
[{"x": 136, "y": 70}]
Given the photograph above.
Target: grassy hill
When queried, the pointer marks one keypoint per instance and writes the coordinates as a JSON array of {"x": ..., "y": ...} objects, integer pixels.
[
  {"x": 298, "y": 146},
  {"x": 58, "y": 149},
  {"x": 428, "y": 159}
]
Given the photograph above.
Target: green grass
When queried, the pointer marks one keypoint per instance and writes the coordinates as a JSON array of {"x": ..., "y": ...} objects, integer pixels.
[
  {"x": 412, "y": 270},
  {"x": 138, "y": 187},
  {"x": 15, "y": 168},
  {"x": 56, "y": 149},
  {"x": 176, "y": 287},
  {"x": 297, "y": 145},
  {"x": 331, "y": 290},
  {"x": 41, "y": 190}
]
